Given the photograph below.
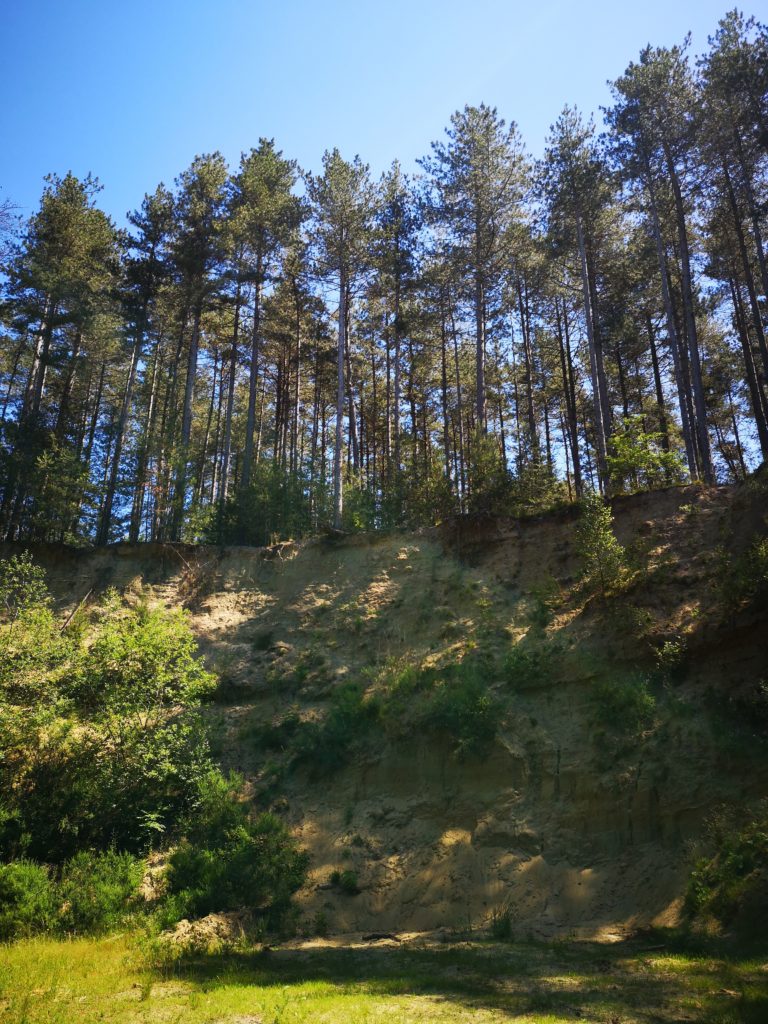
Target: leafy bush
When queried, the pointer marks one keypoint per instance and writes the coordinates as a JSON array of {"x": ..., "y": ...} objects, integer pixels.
[
  {"x": 32, "y": 644},
  {"x": 327, "y": 745},
  {"x": 461, "y": 706},
  {"x": 523, "y": 666},
  {"x": 66, "y": 788},
  {"x": 745, "y": 577},
  {"x": 501, "y": 923},
  {"x": 91, "y": 894},
  {"x": 28, "y": 899},
  {"x": 452, "y": 699},
  {"x": 141, "y": 661},
  {"x": 102, "y": 752},
  {"x": 228, "y": 860},
  {"x": 96, "y": 890},
  {"x": 345, "y": 881},
  {"x": 626, "y": 705},
  {"x": 637, "y": 459},
  {"x": 604, "y": 559},
  {"x": 731, "y": 886},
  {"x": 124, "y": 770}
]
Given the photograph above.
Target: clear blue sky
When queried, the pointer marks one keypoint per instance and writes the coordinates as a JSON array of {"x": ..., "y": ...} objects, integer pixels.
[{"x": 133, "y": 90}]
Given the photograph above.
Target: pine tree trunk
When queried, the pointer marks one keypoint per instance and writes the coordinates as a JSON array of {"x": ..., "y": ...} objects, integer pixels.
[
  {"x": 250, "y": 423},
  {"x": 596, "y": 399},
  {"x": 227, "y": 444},
  {"x": 697, "y": 385},
  {"x": 338, "y": 506},
  {"x": 672, "y": 332}
]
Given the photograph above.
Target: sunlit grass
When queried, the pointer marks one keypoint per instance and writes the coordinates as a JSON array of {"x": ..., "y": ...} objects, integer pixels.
[{"x": 116, "y": 979}]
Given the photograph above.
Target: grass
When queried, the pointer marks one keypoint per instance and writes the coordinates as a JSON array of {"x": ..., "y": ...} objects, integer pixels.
[{"x": 47, "y": 982}]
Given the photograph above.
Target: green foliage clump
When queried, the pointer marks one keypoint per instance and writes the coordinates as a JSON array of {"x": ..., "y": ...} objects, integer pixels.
[
  {"x": 229, "y": 860},
  {"x": 33, "y": 647},
  {"x": 453, "y": 700},
  {"x": 327, "y": 745},
  {"x": 502, "y": 924},
  {"x": 461, "y": 706},
  {"x": 96, "y": 889},
  {"x": 345, "y": 881},
  {"x": 745, "y": 577},
  {"x": 604, "y": 561},
  {"x": 101, "y": 743},
  {"x": 90, "y": 893},
  {"x": 525, "y": 666},
  {"x": 28, "y": 901},
  {"x": 141, "y": 661},
  {"x": 731, "y": 885},
  {"x": 624, "y": 704},
  {"x": 103, "y": 754},
  {"x": 637, "y": 459}
]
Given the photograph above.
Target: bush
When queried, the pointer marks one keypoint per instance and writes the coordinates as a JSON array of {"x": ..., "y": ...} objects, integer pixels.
[
  {"x": 346, "y": 882},
  {"x": 228, "y": 860},
  {"x": 626, "y": 705},
  {"x": 604, "y": 559},
  {"x": 524, "y": 667},
  {"x": 122, "y": 772},
  {"x": 501, "y": 924},
  {"x": 637, "y": 459},
  {"x": 461, "y": 706},
  {"x": 32, "y": 644},
  {"x": 328, "y": 744},
  {"x": 141, "y": 661},
  {"x": 731, "y": 886},
  {"x": 68, "y": 788},
  {"x": 28, "y": 899},
  {"x": 96, "y": 890},
  {"x": 745, "y": 579}
]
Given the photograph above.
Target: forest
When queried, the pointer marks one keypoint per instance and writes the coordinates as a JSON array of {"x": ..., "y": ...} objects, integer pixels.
[{"x": 265, "y": 352}]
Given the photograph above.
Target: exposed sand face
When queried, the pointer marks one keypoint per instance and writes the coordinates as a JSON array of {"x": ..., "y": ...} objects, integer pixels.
[{"x": 573, "y": 837}]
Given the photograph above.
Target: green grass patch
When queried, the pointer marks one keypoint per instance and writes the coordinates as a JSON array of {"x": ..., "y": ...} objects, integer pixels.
[{"x": 49, "y": 982}]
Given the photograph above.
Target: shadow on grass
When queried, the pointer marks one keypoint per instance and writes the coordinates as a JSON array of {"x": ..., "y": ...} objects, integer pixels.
[{"x": 631, "y": 981}]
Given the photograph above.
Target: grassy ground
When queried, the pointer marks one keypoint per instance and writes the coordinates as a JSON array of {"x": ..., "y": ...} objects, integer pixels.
[{"x": 112, "y": 979}]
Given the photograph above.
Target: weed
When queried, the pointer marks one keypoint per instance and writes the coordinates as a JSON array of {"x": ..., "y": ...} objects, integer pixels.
[
  {"x": 263, "y": 641},
  {"x": 624, "y": 704},
  {"x": 501, "y": 923},
  {"x": 345, "y": 881},
  {"x": 320, "y": 924}
]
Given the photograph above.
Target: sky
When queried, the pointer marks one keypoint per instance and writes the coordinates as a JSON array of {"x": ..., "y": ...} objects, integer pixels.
[{"x": 132, "y": 91}]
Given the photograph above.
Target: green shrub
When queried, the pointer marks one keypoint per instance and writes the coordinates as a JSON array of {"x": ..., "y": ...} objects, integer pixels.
[
  {"x": 28, "y": 899},
  {"x": 33, "y": 647},
  {"x": 327, "y": 745},
  {"x": 141, "y": 661},
  {"x": 68, "y": 788},
  {"x": 745, "y": 577},
  {"x": 276, "y": 735},
  {"x": 345, "y": 881},
  {"x": 124, "y": 770},
  {"x": 96, "y": 890},
  {"x": 604, "y": 561},
  {"x": 523, "y": 666},
  {"x": 501, "y": 923},
  {"x": 461, "y": 706},
  {"x": 624, "y": 704},
  {"x": 228, "y": 860},
  {"x": 731, "y": 886},
  {"x": 637, "y": 459},
  {"x": 320, "y": 924}
]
